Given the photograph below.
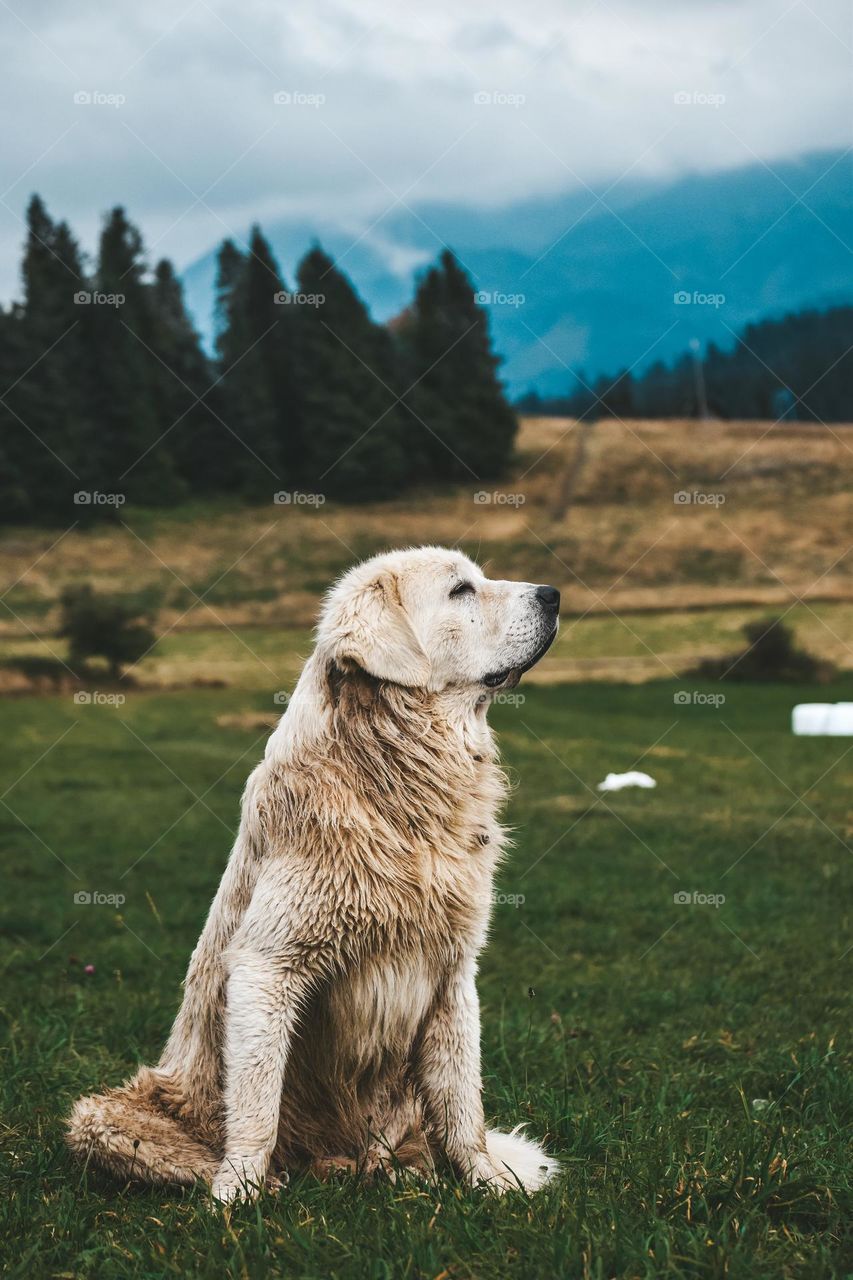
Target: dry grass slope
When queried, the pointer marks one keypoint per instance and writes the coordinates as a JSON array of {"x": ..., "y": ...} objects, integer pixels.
[{"x": 768, "y": 522}]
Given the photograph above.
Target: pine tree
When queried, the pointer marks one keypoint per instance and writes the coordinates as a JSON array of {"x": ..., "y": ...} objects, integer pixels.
[
  {"x": 581, "y": 403},
  {"x": 188, "y": 400},
  {"x": 135, "y": 440},
  {"x": 48, "y": 429},
  {"x": 272, "y": 317},
  {"x": 17, "y": 497},
  {"x": 799, "y": 367},
  {"x": 254, "y": 354},
  {"x": 458, "y": 411},
  {"x": 347, "y": 401},
  {"x": 614, "y": 397}
]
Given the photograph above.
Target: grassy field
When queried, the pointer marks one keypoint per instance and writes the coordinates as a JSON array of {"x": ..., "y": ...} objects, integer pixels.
[{"x": 689, "y": 1062}]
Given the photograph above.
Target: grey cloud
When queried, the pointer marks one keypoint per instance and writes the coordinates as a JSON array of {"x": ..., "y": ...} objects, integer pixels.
[{"x": 596, "y": 85}]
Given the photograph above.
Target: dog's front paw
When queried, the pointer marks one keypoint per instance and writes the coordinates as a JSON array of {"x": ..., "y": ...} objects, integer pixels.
[
  {"x": 240, "y": 1179},
  {"x": 225, "y": 1190}
]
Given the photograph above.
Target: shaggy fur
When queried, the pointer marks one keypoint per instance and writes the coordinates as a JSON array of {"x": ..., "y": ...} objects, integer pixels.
[{"x": 330, "y": 1016}]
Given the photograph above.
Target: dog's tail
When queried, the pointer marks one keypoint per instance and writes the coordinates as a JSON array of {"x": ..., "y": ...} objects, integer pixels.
[
  {"x": 521, "y": 1159},
  {"x": 125, "y": 1132}
]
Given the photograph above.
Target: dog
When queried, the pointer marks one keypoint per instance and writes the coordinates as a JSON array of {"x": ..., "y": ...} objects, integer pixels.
[{"x": 330, "y": 1017}]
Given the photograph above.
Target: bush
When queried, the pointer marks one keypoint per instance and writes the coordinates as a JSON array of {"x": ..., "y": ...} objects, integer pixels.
[
  {"x": 770, "y": 656},
  {"x": 111, "y": 627}
]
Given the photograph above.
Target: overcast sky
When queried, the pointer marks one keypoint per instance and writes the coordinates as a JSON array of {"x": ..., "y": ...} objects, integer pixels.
[{"x": 472, "y": 101}]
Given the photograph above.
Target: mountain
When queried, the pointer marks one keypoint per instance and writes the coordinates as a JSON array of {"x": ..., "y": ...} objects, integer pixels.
[{"x": 592, "y": 280}]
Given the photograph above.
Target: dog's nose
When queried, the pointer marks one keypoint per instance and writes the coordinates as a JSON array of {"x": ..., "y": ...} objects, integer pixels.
[{"x": 549, "y": 597}]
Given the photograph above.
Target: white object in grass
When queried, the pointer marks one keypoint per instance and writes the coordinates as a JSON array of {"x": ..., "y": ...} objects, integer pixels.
[
  {"x": 832, "y": 719},
  {"x": 634, "y": 778}
]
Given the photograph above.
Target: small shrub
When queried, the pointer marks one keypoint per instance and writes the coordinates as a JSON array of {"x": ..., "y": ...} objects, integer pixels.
[
  {"x": 112, "y": 627},
  {"x": 770, "y": 656}
]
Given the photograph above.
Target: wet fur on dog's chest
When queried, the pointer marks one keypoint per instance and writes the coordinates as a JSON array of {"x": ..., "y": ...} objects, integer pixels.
[
  {"x": 376, "y": 1009},
  {"x": 368, "y": 1014},
  {"x": 424, "y": 902},
  {"x": 423, "y": 905},
  {"x": 408, "y": 854}
]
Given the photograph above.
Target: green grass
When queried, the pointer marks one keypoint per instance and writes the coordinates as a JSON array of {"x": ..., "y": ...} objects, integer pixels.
[{"x": 636, "y": 1033}]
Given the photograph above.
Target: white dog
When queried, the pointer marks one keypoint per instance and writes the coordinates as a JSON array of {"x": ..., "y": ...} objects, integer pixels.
[{"x": 330, "y": 1015}]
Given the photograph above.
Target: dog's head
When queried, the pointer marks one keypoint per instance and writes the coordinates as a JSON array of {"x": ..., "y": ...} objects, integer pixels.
[{"x": 429, "y": 618}]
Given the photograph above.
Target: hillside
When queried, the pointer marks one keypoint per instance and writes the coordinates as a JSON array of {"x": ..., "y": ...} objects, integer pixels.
[{"x": 649, "y": 584}]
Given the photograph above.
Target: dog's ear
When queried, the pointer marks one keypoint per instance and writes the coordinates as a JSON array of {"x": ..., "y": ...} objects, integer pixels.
[{"x": 379, "y": 637}]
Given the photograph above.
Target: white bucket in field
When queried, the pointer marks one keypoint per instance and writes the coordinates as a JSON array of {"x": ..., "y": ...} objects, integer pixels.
[{"x": 830, "y": 719}]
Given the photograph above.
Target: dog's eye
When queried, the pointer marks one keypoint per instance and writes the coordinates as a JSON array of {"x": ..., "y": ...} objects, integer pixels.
[{"x": 462, "y": 589}]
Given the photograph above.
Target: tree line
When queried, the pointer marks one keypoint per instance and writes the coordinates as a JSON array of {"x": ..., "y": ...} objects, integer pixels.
[
  {"x": 107, "y": 395},
  {"x": 797, "y": 368}
]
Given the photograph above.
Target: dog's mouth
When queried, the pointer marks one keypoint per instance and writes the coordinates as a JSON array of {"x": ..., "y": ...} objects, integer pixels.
[{"x": 511, "y": 675}]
